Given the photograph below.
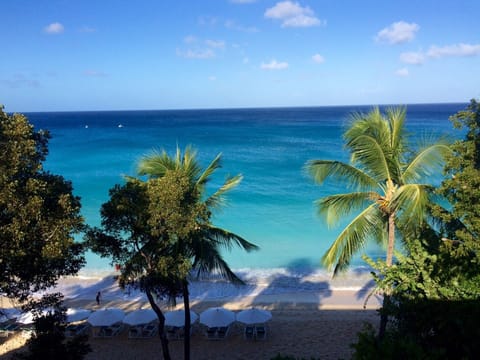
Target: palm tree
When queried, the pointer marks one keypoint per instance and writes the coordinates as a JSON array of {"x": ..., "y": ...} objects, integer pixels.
[
  {"x": 385, "y": 176},
  {"x": 387, "y": 183},
  {"x": 204, "y": 249}
]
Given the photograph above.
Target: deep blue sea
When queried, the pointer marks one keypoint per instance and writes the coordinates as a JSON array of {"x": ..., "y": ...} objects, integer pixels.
[{"x": 274, "y": 205}]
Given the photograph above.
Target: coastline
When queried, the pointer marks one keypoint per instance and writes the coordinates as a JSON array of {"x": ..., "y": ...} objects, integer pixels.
[{"x": 319, "y": 320}]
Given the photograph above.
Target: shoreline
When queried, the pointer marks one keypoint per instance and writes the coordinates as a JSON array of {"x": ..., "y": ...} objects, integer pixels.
[{"x": 317, "y": 322}]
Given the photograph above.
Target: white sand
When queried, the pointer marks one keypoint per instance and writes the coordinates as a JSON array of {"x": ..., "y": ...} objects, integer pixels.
[{"x": 319, "y": 322}]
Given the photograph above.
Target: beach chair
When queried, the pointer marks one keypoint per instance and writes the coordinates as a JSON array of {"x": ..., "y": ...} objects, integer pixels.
[
  {"x": 113, "y": 330},
  {"x": 249, "y": 332},
  {"x": 135, "y": 332},
  {"x": 7, "y": 328},
  {"x": 222, "y": 332},
  {"x": 149, "y": 330},
  {"x": 211, "y": 333},
  {"x": 260, "y": 332},
  {"x": 75, "y": 330}
]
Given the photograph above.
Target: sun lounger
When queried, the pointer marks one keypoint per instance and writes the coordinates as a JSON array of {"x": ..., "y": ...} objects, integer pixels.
[
  {"x": 75, "y": 330},
  {"x": 143, "y": 331},
  {"x": 222, "y": 332},
  {"x": 149, "y": 330},
  {"x": 249, "y": 333},
  {"x": 211, "y": 333},
  {"x": 7, "y": 328},
  {"x": 260, "y": 332},
  {"x": 107, "y": 331}
]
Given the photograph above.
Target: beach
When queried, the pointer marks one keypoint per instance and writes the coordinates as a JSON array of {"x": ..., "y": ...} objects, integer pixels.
[{"x": 318, "y": 324}]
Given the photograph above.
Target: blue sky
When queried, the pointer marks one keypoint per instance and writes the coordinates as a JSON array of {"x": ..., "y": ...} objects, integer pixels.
[{"x": 159, "y": 54}]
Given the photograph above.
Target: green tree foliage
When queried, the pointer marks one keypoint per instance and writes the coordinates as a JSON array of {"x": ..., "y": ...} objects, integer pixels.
[
  {"x": 38, "y": 213},
  {"x": 201, "y": 247},
  {"x": 138, "y": 233},
  {"x": 388, "y": 183},
  {"x": 160, "y": 230},
  {"x": 435, "y": 286}
]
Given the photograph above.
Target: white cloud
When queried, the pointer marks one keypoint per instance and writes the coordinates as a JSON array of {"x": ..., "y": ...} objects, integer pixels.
[
  {"x": 454, "y": 50},
  {"x": 196, "y": 54},
  {"x": 397, "y": 33},
  {"x": 436, "y": 52},
  {"x": 318, "y": 58},
  {"x": 54, "y": 28},
  {"x": 274, "y": 65},
  {"x": 293, "y": 14},
  {"x": 413, "y": 58},
  {"x": 403, "y": 72},
  {"x": 217, "y": 44}
]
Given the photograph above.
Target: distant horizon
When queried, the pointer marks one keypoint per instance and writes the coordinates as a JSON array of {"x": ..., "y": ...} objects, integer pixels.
[{"x": 246, "y": 107}]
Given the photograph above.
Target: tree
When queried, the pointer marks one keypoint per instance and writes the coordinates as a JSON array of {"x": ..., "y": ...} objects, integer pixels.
[
  {"x": 435, "y": 285},
  {"x": 386, "y": 177},
  {"x": 38, "y": 213},
  {"x": 202, "y": 247},
  {"x": 159, "y": 231},
  {"x": 137, "y": 234}
]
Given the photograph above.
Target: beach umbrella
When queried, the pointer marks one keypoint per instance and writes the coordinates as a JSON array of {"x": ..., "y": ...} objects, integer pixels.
[
  {"x": 217, "y": 317},
  {"x": 28, "y": 317},
  {"x": 106, "y": 317},
  {"x": 177, "y": 318},
  {"x": 140, "y": 316},
  {"x": 77, "y": 314},
  {"x": 8, "y": 314},
  {"x": 254, "y": 316}
]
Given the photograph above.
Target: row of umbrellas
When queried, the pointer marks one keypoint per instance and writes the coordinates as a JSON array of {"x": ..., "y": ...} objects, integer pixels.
[{"x": 212, "y": 317}]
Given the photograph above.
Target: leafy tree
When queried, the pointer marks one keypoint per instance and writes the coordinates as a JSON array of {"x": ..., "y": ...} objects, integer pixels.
[
  {"x": 202, "y": 247},
  {"x": 435, "y": 286},
  {"x": 386, "y": 177},
  {"x": 137, "y": 223},
  {"x": 38, "y": 213},
  {"x": 159, "y": 230}
]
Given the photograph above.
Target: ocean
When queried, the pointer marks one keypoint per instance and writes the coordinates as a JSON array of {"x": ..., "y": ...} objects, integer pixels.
[{"x": 274, "y": 205}]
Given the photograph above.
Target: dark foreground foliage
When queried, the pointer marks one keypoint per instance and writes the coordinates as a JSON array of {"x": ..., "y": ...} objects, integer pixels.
[{"x": 48, "y": 340}]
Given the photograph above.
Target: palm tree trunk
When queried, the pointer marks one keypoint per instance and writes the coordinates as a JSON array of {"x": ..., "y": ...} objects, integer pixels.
[
  {"x": 161, "y": 325},
  {"x": 389, "y": 262},
  {"x": 391, "y": 239},
  {"x": 186, "y": 303}
]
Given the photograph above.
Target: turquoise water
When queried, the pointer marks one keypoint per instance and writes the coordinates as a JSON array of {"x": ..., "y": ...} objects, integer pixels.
[{"x": 274, "y": 205}]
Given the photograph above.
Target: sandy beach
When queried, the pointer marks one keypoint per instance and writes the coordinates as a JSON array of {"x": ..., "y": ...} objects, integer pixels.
[{"x": 317, "y": 324}]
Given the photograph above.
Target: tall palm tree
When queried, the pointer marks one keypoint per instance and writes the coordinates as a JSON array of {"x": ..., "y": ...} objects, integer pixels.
[
  {"x": 387, "y": 181},
  {"x": 204, "y": 249}
]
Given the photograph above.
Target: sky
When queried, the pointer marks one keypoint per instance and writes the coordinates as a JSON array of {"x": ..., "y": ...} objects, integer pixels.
[{"x": 75, "y": 55}]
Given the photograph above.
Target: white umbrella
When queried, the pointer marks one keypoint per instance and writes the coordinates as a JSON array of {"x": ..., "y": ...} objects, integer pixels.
[
  {"x": 217, "y": 317},
  {"x": 28, "y": 317},
  {"x": 78, "y": 314},
  {"x": 177, "y": 318},
  {"x": 140, "y": 316},
  {"x": 254, "y": 316},
  {"x": 106, "y": 317}
]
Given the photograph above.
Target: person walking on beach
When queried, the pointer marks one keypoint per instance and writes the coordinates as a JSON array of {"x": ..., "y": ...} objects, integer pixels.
[{"x": 98, "y": 297}]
